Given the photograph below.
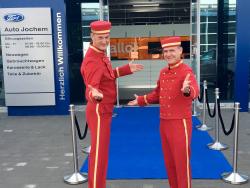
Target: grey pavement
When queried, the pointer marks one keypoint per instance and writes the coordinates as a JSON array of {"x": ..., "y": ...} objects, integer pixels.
[{"x": 36, "y": 152}]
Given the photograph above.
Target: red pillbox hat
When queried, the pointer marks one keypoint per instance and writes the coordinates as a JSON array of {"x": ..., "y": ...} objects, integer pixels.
[
  {"x": 100, "y": 27},
  {"x": 170, "y": 42}
]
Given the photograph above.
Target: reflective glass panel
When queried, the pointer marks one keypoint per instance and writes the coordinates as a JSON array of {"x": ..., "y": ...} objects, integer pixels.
[
  {"x": 217, "y": 35},
  {"x": 2, "y": 93}
]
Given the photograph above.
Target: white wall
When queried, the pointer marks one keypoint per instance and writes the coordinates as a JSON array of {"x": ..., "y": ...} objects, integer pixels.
[{"x": 145, "y": 78}]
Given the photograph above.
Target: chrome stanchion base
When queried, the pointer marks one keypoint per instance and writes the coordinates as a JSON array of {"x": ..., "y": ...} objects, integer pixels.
[
  {"x": 114, "y": 115},
  {"x": 217, "y": 146},
  {"x": 75, "y": 178},
  {"x": 234, "y": 178},
  {"x": 86, "y": 149},
  {"x": 196, "y": 113},
  {"x": 204, "y": 128},
  {"x": 118, "y": 106}
]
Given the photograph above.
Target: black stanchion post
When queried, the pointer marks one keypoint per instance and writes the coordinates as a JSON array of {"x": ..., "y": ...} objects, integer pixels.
[
  {"x": 204, "y": 127},
  {"x": 234, "y": 177},
  {"x": 76, "y": 177},
  {"x": 217, "y": 145}
]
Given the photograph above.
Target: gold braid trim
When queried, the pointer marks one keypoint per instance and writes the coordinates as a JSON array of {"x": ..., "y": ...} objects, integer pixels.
[
  {"x": 194, "y": 91},
  {"x": 171, "y": 67},
  {"x": 90, "y": 96},
  {"x": 96, "y": 49},
  {"x": 117, "y": 71},
  {"x": 145, "y": 99}
]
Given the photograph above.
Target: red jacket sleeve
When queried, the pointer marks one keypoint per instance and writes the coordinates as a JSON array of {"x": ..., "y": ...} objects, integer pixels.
[
  {"x": 122, "y": 71},
  {"x": 93, "y": 74},
  {"x": 151, "y": 97},
  {"x": 194, "y": 89}
]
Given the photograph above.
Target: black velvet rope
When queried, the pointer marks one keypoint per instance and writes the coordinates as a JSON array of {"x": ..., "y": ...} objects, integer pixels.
[
  {"x": 222, "y": 123},
  {"x": 79, "y": 131},
  {"x": 200, "y": 98},
  {"x": 208, "y": 108}
]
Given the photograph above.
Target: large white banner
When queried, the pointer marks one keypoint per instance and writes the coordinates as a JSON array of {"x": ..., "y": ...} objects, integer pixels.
[{"x": 27, "y": 52}]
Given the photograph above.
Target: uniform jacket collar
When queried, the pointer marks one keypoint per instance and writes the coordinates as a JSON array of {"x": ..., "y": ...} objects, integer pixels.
[
  {"x": 175, "y": 65},
  {"x": 91, "y": 46}
]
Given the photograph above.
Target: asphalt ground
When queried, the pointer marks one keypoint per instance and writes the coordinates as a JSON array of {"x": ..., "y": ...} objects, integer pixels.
[{"x": 36, "y": 152}]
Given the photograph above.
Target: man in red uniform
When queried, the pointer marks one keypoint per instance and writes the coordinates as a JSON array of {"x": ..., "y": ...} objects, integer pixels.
[
  {"x": 176, "y": 87},
  {"x": 101, "y": 94}
]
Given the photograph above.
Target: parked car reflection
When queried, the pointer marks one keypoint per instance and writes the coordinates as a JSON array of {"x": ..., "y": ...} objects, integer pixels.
[{"x": 208, "y": 66}]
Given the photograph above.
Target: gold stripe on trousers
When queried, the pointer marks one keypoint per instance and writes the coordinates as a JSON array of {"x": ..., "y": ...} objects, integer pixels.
[
  {"x": 186, "y": 134},
  {"x": 97, "y": 143}
]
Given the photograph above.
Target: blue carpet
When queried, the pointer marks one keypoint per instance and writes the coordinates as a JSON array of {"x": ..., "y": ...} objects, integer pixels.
[{"x": 135, "y": 148}]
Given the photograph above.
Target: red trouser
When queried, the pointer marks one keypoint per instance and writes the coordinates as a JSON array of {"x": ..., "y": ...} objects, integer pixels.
[
  {"x": 175, "y": 138},
  {"x": 99, "y": 117}
]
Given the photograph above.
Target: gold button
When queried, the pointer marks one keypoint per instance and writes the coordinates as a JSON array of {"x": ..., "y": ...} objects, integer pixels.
[
  {"x": 164, "y": 73},
  {"x": 160, "y": 97},
  {"x": 164, "y": 115},
  {"x": 168, "y": 106},
  {"x": 168, "y": 114},
  {"x": 172, "y": 80},
  {"x": 164, "y": 97},
  {"x": 163, "y": 105},
  {"x": 160, "y": 113},
  {"x": 170, "y": 89},
  {"x": 161, "y": 88},
  {"x": 162, "y": 80},
  {"x": 175, "y": 73},
  {"x": 168, "y": 73},
  {"x": 167, "y": 80},
  {"x": 160, "y": 105},
  {"x": 168, "y": 97},
  {"x": 166, "y": 89}
]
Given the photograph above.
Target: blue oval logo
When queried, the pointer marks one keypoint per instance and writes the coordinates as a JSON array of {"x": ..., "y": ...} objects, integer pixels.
[{"x": 13, "y": 17}]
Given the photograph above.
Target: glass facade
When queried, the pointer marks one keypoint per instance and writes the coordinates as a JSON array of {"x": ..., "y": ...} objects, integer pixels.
[{"x": 217, "y": 46}]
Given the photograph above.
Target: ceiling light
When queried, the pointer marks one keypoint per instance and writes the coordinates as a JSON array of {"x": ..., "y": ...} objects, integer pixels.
[{"x": 147, "y": 5}]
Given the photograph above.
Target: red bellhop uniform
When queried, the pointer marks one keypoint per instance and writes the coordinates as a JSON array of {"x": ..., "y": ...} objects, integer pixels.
[
  {"x": 97, "y": 71},
  {"x": 176, "y": 120}
]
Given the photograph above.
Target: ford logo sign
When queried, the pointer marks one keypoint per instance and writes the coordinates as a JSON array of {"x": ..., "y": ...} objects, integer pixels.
[{"x": 13, "y": 17}]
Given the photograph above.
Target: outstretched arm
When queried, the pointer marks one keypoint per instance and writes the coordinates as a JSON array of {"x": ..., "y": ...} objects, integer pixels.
[
  {"x": 135, "y": 67},
  {"x": 190, "y": 87},
  {"x": 186, "y": 85},
  {"x": 92, "y": 74},
  {"x": 134, "y": 102},
  {"x": 127, "y": 69},
  {"x": 95, "y": 93}
]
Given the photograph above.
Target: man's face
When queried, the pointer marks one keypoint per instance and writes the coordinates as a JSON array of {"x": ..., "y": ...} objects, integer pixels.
[
  {"x": 172, "y": 54},
  {"x": 100, "y": 41}
]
